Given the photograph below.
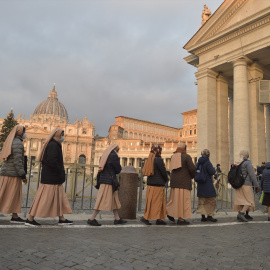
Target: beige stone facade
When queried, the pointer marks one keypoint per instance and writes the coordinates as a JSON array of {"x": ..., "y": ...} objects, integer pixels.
[
  {"x": 135, "y": 138},
  {"x": 49, "y": 114},
  {"x": 231, "y": 53}
]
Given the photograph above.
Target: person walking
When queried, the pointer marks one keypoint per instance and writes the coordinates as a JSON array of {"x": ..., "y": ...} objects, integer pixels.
[
  {"x": 107, "y": 198},
  {"x": 12, "y": 174},
  {"x": 155, "y": 171},
  {"x": 182, "y": 172},
  {"x": 206, "y": 191},
  {"x": 266, "y": 187},
  {"x": 51, "y": 199},
  {"x": 244, "y": 196}
]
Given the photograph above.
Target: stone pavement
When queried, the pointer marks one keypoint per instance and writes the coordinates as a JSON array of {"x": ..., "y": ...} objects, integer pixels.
[{"x": 225, "y": 245}]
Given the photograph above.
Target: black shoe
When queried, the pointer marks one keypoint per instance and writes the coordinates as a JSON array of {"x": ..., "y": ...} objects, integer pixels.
[
  {"x": 210, "y": 218},
  {"x": 32, "y": 223},
  {"x": 182, "y": 222},
  {"x": 248, "y": 217},
  {"x": 93, "y": 222},
  {"x": 145, "y": 221},
  {"x": 119, "y": 221},
  {"x": 241, "y": 217},
  {"x": 65, "y": 222},
  {"x": 171, "y": 218},
  {"x": 268, "y": 218},
  {"x": 160, "y": 222},
  {"x": 204, "y": 219},
  {"x": 17, "y": 220}
]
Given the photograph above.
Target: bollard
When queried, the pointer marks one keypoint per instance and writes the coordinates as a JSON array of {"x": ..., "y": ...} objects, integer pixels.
[{"x": 127, "y": 193}]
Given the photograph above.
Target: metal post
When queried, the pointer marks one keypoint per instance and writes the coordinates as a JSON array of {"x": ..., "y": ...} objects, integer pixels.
[
  {"x": 28, "y": 186},
  {"x": 83, "y": 186},
  {"x": 141, "y": 187}
]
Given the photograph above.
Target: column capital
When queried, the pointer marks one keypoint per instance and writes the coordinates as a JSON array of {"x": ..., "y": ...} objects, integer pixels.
[
  {"x": 242, "y": 61},
  {"x": 206, "y": 73}
]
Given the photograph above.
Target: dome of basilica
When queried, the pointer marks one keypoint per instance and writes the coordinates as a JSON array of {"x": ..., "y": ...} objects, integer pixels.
[{"x": 52, "y": 107}]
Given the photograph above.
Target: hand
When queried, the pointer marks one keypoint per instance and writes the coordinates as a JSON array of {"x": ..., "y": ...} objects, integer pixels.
[
  {"x": 258, "y": 189},
  {"x": 24, "y": 181}
]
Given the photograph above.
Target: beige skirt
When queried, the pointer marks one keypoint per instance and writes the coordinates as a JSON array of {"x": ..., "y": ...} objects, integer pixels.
[
  {"x": 50, "y": 201},
  {"x": 206, "y": 206},
  {"x": 179, "y": 204},
  {"x": 244, "y": 196},
  {"x": 10, "y": 194},
  {"x": 155, "y": 207},
  {"x": 107, "y": 200}
]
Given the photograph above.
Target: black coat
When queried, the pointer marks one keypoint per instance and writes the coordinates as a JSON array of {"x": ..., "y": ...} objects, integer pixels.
[
  {"x": 266, "y": 179},
  {"x": 160, "y": 176},
  {"x": 53, "y": 172},
  {"x": 206, "y": 190},
  {"x": 111, "y": 168}
]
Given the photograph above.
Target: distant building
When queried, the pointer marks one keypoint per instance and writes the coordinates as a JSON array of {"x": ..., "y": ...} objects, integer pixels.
[
  {"x": 135, "y": 138},
  {"x": 49, "y": 114}
]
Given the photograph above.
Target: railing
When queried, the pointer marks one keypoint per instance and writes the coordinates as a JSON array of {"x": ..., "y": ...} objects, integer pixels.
[
  {"x": 80, "y": 188},
  {"x": 79, "y": 185}
]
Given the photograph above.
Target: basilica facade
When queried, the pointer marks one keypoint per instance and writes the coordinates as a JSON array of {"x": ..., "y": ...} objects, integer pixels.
[{"x": 49, "y": 114}]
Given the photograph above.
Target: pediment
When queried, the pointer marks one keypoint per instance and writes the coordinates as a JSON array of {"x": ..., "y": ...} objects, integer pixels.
[
  {"x": 36, "y": 129},
  {"x": 232, "y": 16}
]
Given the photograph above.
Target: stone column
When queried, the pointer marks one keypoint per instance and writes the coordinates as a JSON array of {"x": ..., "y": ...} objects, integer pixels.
[
  {"x": 222, "y": 123},
  {"x": 231, "y": 126},
  {"x": 241, "y": 120},
  {"x": 207, "y": 112},
  {"x": 267, "y": 112},
  {"x": 256, "y": 110},
  {"x": 28, "y": 148},
  {"x": 39, "y": 147},
  {"x": 135, "y": 162}
]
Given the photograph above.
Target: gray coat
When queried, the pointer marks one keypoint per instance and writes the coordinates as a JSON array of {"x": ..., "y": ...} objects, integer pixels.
[
  {"x": 248, "y": 171},
  {"x": 14, "y": 165}
]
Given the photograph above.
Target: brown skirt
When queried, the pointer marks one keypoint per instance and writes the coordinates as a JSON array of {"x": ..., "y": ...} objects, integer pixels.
[
  {"x": 50, "y": 201},
  {"x": 155, "y": 207},
  {"x": 206, "y": 206},
  {"x": 179, "y": 204},
  {"x": 107, "y": 200},
  {"x": 244, "y": 196},
  {"x": 10, "y": 194}
]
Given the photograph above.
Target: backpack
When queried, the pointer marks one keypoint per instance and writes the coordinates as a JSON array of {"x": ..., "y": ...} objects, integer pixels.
[
  {"x": 200, "y": 176},
  {"x": 236, "y": 177}
]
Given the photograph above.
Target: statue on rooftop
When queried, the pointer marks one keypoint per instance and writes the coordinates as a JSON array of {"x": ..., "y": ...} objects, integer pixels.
[{"x": 206, "y": 14}]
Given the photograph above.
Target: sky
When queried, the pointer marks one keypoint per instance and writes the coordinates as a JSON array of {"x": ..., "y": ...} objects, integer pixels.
[{"x": 107, "y": 58}]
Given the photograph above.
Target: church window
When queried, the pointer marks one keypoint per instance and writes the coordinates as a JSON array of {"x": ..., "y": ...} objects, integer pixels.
[
  {"x": 70, "y": 131},
  {"x": 131, "y": 143},
  {"x": 82, "y": 159},
  {"x": 45, "y": 128},
  {"x": 185, "y": 133},
  {"x": 84, "y": 131},
  {"x": 195, "y": 131},
  {"x": 190, "y": 132},
  {"x": 138, "y": 143}
]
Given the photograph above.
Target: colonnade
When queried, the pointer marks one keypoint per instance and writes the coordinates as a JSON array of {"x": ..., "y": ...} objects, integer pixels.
[{"x": 227, "y": 129}]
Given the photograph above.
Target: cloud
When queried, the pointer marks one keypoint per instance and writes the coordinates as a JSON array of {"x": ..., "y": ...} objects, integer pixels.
[{"x": 107, "y": 58}]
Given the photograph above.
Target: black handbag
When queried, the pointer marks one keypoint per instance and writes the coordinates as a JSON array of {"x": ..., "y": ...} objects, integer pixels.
[
  {"x": 115, "y": 183},
  {"x": 98, "y": 181}
]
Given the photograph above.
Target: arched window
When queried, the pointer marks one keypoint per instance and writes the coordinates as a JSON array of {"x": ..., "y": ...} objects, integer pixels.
[{"x": 82, "y": 159}]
